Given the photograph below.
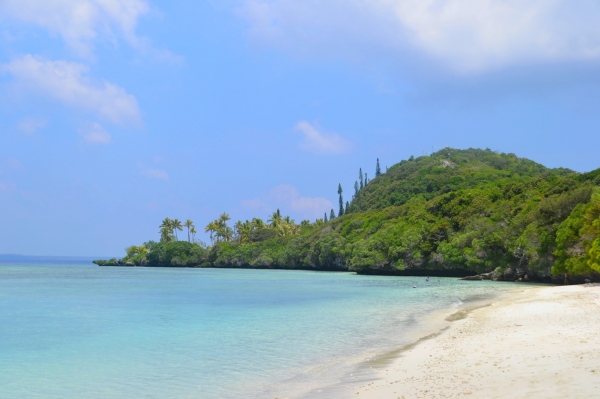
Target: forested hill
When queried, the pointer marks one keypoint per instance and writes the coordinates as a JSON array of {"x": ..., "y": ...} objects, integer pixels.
[
  {"x": 456, "y": 212},
  {"x": 445, "y": 171}
]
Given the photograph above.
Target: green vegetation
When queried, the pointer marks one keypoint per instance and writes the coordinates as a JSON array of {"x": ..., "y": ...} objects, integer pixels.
[{"x": 456, "y": 212}]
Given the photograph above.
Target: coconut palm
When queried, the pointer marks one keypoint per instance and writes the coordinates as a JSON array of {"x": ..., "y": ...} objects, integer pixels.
[
  {"x": 193, "y": 231},
  {"x": 189, "y": 224},
  {"x": 223, "y": 219},
  {"x": 166, "y": 234},
  {"x": 211, "y": 228},
  {"x": 176, "y": 225},
  {"x": 167, "y": 223},
  {"x": 224, "y": 233},
  {"x": 275, "y": 219},
  {"x": 258, "y": 224},
  {"x": 242, "y": 230}
]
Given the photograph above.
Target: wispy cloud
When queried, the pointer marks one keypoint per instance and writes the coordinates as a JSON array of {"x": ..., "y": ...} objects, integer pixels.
[
  {"x": 464, "y": 36},
  {"x": 318, "y": 141},
  {"x": 30, "y": 126},
  {"x": 80, "y": 22},
  {"x": 288, "y": 198},
  {"x": 159, "y": 174},
  {"x": 68, "y": 83},
  {"x": 95, "y": 134}
]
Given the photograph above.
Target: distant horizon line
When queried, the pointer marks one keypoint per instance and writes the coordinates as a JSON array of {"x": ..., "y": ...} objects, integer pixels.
[{"x": 50, "y": 257}]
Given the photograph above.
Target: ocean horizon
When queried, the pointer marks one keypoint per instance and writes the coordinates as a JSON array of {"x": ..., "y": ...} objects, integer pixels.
[{"x": 72, "y": 329}]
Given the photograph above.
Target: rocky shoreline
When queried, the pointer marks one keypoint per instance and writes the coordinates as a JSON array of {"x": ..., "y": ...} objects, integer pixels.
[
  {"x": 499, "y": 274},
  {"x": 522, "y": 275}
]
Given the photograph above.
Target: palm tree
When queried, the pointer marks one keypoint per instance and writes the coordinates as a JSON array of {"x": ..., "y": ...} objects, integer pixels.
[
  {"x": 242, "y": 230},
  {"x": 275, "y": 219},
  {"x": 225, "y": 233},
  {"x": 166, "y": 234},
  {"x": 258, "y": 224},
  {"x": 167, "y": 224},
  {"x": 176, "y": 225},
  {"x": 223, "y": 219},
  {"x": 193, "y": 231},
  {"x": 190, "y": 225},
  {"x": 211, "y": 228}
]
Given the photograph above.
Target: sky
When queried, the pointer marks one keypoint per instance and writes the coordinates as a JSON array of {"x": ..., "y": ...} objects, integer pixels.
[{"x": 115, "y": 114}]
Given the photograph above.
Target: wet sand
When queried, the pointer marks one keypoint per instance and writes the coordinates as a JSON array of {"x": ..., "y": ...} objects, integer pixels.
[{"x": 540, "y": 343}]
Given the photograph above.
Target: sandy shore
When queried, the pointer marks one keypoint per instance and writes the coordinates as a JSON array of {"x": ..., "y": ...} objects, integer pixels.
[{"x": 541, "y": 343}]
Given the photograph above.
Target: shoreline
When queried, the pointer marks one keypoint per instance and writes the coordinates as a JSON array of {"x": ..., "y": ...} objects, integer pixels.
[{"x": 541, "y": 342}]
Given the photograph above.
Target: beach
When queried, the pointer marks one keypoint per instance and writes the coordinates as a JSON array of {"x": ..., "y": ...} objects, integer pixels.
[{"x": 542, "y": 342}]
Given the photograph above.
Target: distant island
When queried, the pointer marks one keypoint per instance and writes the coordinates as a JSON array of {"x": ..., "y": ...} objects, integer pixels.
[{"x": 453, "y": 213}]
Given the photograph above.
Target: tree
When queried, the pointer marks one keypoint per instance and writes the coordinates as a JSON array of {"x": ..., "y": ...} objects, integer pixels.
[
  {"x": 347, "y": 207},
  {"x": 332, "y": 215},
  {"x": 305, "y": 223},
  {"x": 176, "y": 225},
  {"x": 360, "y": 178},
  {"x": 325, "y": 218},
  {"x": 242, "y": 231},
  {"x": 211, "y": 228},
  {"x": 193, "y": 231},
  {"x": 377, "y": 169},
  {"x": 258, "y": 224},
  {"x": 166, "y": 234},
  {"x": 356, "y": 189},
  {"x": 223, "y": 218},
  {"x": 167, "y": 224},
  {"x": 190, "y": 225},
  {"x": 366, "y": 180},
  {"x": 275, "y": 219},
  {"x": 341, "y": 211}
]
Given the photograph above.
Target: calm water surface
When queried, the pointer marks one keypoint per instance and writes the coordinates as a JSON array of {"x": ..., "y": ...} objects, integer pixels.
[{"x": 71, "y": 330}]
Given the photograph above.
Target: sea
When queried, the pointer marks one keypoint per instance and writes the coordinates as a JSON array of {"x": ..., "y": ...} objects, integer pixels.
[{"x": 70, "y": 329}]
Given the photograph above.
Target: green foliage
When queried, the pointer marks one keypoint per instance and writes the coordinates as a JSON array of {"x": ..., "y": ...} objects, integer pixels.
[
  {"x": 469, "y": 210},
  {"x": 177, "y": 253},
  {"x": 455, "y": 211}
]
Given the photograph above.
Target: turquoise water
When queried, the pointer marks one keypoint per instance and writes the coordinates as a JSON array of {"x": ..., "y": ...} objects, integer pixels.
[{"x": 73, "y": 330}]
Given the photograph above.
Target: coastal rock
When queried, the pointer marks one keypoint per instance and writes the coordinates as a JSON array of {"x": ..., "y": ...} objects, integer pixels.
[
  {"x": 509, "y": 275},
  {"x": 472, "y": 278},
  {"x": 486, "y": 276}
]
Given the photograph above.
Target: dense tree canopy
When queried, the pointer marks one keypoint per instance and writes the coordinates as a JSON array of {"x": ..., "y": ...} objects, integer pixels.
[{"x": 454, "y": 212}]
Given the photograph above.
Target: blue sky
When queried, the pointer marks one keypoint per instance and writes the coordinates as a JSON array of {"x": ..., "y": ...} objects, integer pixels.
[{"x": 116, "y": 114}]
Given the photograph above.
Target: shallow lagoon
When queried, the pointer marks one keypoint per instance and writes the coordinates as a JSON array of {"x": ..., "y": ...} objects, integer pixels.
[{"x": 78, "y": 330}]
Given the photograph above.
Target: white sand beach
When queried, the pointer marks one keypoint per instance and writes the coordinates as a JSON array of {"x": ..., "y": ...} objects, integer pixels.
[{"x": 541, "y": 343}]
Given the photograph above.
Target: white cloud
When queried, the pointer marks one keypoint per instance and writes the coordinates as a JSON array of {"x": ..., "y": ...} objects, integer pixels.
[
  {"x": 95, "y": 134},
  {"x": 68, "y": 83},
  {"x": 30, "y": 125},
  {"x": 79, "y": 22},
  {"x": 465, "y": 36},
  {"x": 318, "y": 141},
  {"x": 158, "y": 174},
  {"x": 288, "y": 198}
]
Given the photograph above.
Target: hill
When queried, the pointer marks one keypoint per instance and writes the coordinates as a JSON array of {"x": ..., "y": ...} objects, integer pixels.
[{"x": 456, "y": 213}]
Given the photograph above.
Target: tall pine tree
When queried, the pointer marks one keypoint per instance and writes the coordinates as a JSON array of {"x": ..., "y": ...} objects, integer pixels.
[
  {"x": 377, "y": 169},
  {"x": 347, "y": 207},
  {"x": 332, "y": 215},
  {"x": 360, "y": 179},
  {"x": 356, "y": 189},
  {"x": 340, "y": 191},
  {"x": 366, "y": 180},
  {"x": 325, "y": 217}
]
